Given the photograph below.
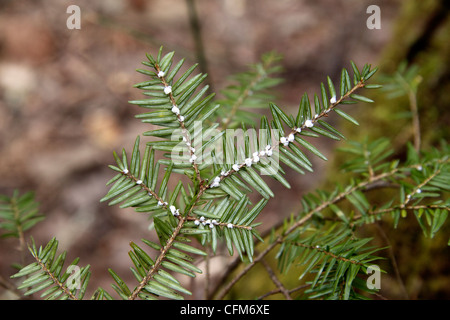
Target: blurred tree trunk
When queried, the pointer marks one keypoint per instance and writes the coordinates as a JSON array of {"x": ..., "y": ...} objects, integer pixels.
[{"x": 421, "y": 38}]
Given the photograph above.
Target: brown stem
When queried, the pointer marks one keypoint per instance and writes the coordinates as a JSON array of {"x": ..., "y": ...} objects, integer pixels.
[
  {"x": 158, "y": 261},
  {"x": 184, "y": 131},
  {"x": 181, "y": 221},
  {"x": 55, "y": 280},
  {"x": 275, "y": 280},
  {"x": 294, "y": 226}
]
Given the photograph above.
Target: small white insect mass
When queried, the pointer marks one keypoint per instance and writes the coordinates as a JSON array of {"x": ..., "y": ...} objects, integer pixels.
[
  {"x": 167, "y": 90},
  {"x": 309, "y": 123},
  {"x": 255, "y": 157},
  {"x": 216, "y": 182},
  {"x": 333, "y": 99},
  {"x": 284, "y": 141},
  {"x": 291, "y": 137},
  {"x": 175, "y": 110}
]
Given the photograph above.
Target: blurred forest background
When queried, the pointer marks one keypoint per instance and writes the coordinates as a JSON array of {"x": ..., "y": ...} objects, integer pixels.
[{"x": 64, "y": 93}]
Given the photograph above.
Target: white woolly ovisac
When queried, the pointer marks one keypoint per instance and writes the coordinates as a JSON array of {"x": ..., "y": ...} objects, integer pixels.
[
  {"x": 309, "y": 123},
  {"x": 167, "y": 89},
  {"x": 333, "y": 99}
]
